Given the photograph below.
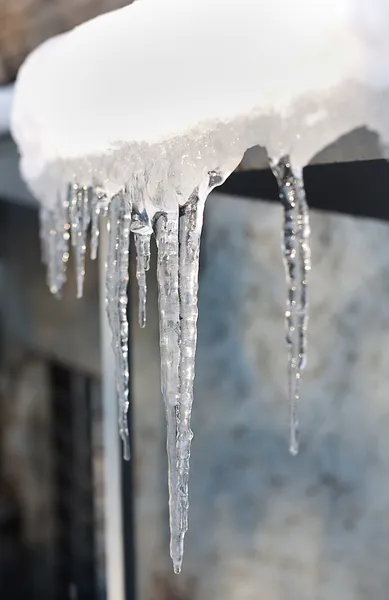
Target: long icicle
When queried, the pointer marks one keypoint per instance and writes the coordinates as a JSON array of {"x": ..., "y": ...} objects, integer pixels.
[
  {"x": 304, "y": 230},
  {"x": 169, "y": 327},
  {"x": 296, "y": 251},
  {"x": 142, "y": 245},
  {"x": 63, "y": 226},
  {"x": 191, "y": 223},
  {"x": 44, "y": 232},
  {"x": 117, "y": 301}
]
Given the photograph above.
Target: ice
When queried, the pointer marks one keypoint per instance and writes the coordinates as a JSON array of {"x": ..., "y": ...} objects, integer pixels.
[
  {"x": 80, "y": 216},
  {"x": 296, "y": 231},
  {"x": 98, "y": 208},
  {"x": 146, "y": 149},
  {"x": 178, "y": 235},
  {"x": 142, "y": 245},
  {"x": 95, "y": 233},
  {"x": 190, "y": 232},
  {"x": 54, "y": 234},
  {"x": 117, "y": 301},
  {"x": 169, "y": 339},
  {"x": 142, "y": 228}
]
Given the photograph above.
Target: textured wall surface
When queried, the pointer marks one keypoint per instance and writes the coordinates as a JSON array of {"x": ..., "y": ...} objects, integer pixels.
[
  {"x": 65, "y": 330},
  {"x": 24, "y": 24},
  {"x": 262, "y": 524}
]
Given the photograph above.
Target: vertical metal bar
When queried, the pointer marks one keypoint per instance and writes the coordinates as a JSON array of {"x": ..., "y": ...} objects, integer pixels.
[
  {"x": 83, "y": 586},
  {"x": 128, "y": 484},
  {"x": 114, "y": 547},
  {"x": 75, "y": 541},
  {"x": 62, "y": 432}
]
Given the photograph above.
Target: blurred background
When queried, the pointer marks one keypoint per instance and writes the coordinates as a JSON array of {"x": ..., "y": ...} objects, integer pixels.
[{"x": 262, "y": 524}]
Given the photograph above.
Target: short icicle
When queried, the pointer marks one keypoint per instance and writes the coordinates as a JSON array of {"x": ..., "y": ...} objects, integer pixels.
[
  {"x": 191, "y": 223},
  {"x": 54, "y": 234},
  {"x": 98, "y": 209},
  {"x": 95, "y": 224},
  {"x": 50, "y": 237},
  {"x": 142, "y": 245},
  {"x": 296, "y": 251},
  {"x": 117, "y": 274},
  {"x": 80, "y": 216},
  {"x": 169, "y": 326}
]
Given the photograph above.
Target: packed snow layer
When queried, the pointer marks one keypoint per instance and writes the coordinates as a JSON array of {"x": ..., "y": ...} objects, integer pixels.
[{"x": 178, "y": 86}]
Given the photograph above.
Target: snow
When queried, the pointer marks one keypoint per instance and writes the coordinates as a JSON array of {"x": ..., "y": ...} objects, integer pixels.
[{"x": 231, "y": 74}]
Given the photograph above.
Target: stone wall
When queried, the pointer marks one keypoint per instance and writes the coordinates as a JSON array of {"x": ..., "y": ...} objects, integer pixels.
[{"x": 264, "y": 524}]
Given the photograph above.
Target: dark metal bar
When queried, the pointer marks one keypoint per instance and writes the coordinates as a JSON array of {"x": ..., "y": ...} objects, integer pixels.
[
  {"x": 75, "y": 577},
  {"x": 62, "y": 458},
  {"x": 128, "y": 525},
  {"x": 83, "y": 521},
  {"x": 357, "y": 188}
]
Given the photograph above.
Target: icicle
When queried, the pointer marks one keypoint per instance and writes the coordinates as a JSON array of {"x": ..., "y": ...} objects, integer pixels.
[
  {"x": 54, "y": 234},
  {"x": 116, "y": 301},
  {"x": 305, "y": 266},
  {"x": 98, "y": 209},
  {"x": 142, "y": 229},
  {"x": 142, "y": 245},
  {"x": 297, "y": 264},
  {"x": 95, "y": 234},
  {"x": 44, "y": 232},
  {"x": 169, "y": 320},
  {"x": 64, "y": 228},
  {"x": 74, "y": 212},
  {"x": 191, "y": 222}
]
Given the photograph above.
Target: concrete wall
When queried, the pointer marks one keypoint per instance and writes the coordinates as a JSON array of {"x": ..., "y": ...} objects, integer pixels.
[{"x": 262, "y": 524}]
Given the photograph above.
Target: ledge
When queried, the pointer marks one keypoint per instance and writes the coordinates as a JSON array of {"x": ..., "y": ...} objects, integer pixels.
[{"x": 349, "y": 177}]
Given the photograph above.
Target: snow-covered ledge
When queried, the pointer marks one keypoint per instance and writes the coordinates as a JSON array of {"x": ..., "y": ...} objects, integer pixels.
[
  {"x": 104, "y": 143},
  {"x": 358, "y": 145}
]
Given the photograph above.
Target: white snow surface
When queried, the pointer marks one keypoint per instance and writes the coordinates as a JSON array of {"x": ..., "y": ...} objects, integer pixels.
[{"x": 171, "y": 88}]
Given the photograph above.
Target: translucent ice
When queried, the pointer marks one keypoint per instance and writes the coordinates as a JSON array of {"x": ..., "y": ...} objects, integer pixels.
[
  {"x": 116, "y": 300},
  {"x": 142, "y": 245},
  {"x": 296, "y": 250}
]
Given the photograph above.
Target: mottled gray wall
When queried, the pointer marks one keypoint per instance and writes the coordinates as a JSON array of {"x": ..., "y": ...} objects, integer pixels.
[{"x": 262, "y": 524}]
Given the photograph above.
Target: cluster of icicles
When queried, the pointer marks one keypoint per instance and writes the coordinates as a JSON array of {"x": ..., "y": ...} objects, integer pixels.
[{"x": 83, "y": 210}]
